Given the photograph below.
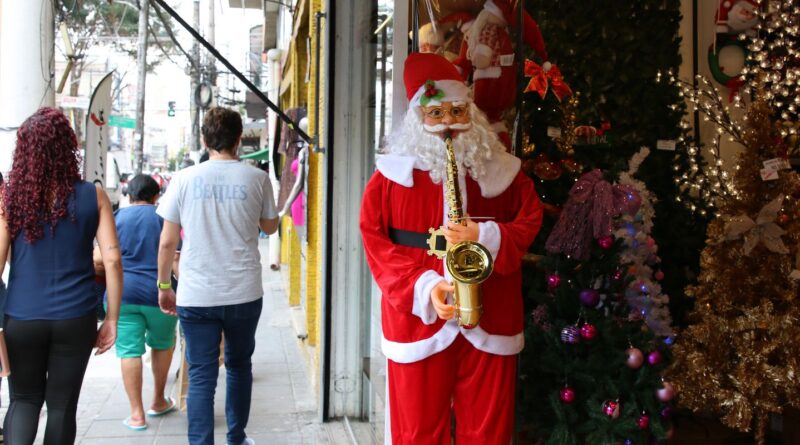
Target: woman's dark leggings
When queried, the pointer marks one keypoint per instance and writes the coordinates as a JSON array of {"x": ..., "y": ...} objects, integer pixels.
[{"x": 48, "y": 359}]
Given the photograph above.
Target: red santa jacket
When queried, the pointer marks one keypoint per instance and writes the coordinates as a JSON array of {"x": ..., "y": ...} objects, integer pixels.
[{"x": 403, "y": 197}]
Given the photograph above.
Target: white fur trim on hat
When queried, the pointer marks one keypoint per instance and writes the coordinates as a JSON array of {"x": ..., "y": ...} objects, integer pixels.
[
  {"x": 454, "y": 91},
  {"x": 494, "y": 10}
]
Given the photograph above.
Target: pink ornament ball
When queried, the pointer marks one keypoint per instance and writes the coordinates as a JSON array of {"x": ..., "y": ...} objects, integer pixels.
[
  {"x": 553, "y": 281},
  {"x": 589, "y": 297},
  {"x": 567, "y": 395},
  {"x": 617, "y": 275},
  {"x": 655, "y": 357},
  {"x": 644, "y": 421},
  {"x": 588, "y": 331},
  {"x": 635, "y": 358},
  {"x": 666, "y": 393},
  {"x": 659, "y": 275},
  {"x": 606, "y": 242},
  {"x": 611, "y": 408}
]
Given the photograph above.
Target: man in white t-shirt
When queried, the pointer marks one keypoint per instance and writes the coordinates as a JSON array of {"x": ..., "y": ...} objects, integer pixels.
[{"x": 220, "y": 205}]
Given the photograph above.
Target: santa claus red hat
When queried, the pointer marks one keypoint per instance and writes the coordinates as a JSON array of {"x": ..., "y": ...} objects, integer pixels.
[
  {"x": 725, "y": 7},
  {"x": 431, "y": 79}
]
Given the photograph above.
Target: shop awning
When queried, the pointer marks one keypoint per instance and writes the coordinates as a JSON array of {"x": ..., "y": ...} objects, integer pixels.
[{"x": 261, "y": 155}]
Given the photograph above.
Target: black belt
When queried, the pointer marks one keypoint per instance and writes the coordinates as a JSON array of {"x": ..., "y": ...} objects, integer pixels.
[{"x": 415, "y": 239}]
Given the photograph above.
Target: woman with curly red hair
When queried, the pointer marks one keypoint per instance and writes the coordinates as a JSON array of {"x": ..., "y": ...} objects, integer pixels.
[{"x": 49, "y": 221}]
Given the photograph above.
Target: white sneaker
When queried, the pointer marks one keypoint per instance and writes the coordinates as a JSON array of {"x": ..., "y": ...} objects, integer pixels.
[{"x": 247, "y": 441}]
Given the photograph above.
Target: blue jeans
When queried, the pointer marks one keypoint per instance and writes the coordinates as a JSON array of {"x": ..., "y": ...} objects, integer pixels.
[{"x": 202, "y": 328}]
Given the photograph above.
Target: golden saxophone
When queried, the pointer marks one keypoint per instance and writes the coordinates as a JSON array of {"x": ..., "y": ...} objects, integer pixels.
[{"x": 468, "y": 262}]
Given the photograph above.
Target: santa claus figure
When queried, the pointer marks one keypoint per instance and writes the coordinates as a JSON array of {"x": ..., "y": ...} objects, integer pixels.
[
  {"x": 737, "y": 16},
  {"x": 488, "y": 54},
  {"x": 435, "y": 367}
]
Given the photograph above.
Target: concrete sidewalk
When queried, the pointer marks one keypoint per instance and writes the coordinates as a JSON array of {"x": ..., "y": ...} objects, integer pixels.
[{"x": 284, "y": 409}]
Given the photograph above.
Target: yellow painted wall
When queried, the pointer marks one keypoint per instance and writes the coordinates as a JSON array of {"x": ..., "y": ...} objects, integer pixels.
[
  {"x": 302, "y": 93},
  {"x": 295, "y": 96}
]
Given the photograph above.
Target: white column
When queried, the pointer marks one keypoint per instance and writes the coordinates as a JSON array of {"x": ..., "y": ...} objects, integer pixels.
[
  {"x": 273, "y": 94},
  {"x": 26, "y": 67}
]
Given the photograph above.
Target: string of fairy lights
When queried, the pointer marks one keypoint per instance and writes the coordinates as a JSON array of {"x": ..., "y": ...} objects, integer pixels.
[{"x": 772, "y": 69}]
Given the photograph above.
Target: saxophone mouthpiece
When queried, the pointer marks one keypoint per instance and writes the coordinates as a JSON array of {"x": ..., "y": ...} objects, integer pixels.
[{"x": 447, "y": 135}]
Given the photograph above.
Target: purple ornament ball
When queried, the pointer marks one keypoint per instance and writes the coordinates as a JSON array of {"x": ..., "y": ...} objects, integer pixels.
[
  {"x": 655, "y": 357},
  {"x": 570, "y": 335},
  {"x": 666, "y": 412},
  {"x": 633, "y": 201},
  {"x": 666, "y": 393},
  {"x": 635, "y": 358},
  {"x": 589, "y": 297},
  {"x": 606, "y": 242}
]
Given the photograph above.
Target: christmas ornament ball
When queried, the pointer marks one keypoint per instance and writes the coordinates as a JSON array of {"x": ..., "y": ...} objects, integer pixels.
[
  {"x": 589, "y": 297},
  {"x": 588, "y": 331},
  {"x": 611, "y": 408},
  {"x": 666, "y": 412},
  {"x": 655, "y": 357},
  {"x": 606, "y": 242},
  {"x": 643, "y": 422},
  {"x": 617, "y": 275},
  {"x": 567, "y": 394},
  {"x": 635, "y": 358},
  {"x": 659, "y": 275},
  {"x": 666, "y": 393},
  {"x": 570, "y": 335},
  {"x": 553, "y": 281}
]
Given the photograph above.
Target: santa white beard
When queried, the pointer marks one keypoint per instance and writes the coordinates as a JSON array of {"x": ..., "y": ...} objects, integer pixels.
[{"x": 473, "y": 146}]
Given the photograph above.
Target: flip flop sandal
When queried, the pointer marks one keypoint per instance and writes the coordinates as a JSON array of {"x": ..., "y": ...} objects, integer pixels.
[
  {"x": 127, "y": 423},
  {"x": 171, "y": 407}
]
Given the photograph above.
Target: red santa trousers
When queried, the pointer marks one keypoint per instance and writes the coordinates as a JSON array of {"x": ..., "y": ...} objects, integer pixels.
[{"x": 478, "y": 386}]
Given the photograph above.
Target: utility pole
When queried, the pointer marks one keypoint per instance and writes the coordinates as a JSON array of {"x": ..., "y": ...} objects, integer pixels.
[
  {"x": 26, "y": 67},
  {"x": 141, "y": 61},
  {"x": 212, "y": 68},
  {"x": 194, "y": 110}
]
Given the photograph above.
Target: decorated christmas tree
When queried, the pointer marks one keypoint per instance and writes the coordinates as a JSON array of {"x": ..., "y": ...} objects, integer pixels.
[
  {"x": 612, "y": 56},
  {"x": 593, "y": 368},
  {"x": 739, "y": 359}
]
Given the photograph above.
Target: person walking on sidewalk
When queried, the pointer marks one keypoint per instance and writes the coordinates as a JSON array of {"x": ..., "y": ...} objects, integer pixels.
[
  {"x": 140, "y": 319},
  {"x": 50, "y": 218},
  {"x": 220, "y": 205}
]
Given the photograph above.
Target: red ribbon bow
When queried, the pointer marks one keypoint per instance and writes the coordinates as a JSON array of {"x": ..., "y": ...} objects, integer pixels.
[{"x": 542, "y": 79}]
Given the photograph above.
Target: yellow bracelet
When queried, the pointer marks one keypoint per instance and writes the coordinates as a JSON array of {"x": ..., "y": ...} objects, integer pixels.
[{"x": 164, "y": 286}]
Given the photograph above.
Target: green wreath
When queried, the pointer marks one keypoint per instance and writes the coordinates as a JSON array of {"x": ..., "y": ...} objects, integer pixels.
[{"x": 713, "y": 58}]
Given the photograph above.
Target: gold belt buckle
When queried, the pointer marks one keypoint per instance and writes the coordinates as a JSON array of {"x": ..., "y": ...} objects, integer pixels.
[{"x": 432, "y": 250}]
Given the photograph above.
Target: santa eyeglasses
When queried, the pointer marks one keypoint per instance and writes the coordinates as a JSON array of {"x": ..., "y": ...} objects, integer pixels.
[{"x": 455, "y": 111}]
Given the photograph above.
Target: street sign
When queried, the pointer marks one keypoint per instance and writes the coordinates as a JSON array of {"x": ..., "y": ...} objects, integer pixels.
[{"x": 121, "y": 121}]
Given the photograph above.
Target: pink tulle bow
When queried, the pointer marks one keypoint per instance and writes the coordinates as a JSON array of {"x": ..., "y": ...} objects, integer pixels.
[{"x": 588, "y": 214}]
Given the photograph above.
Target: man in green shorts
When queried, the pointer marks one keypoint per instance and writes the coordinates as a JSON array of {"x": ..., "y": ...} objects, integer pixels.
[{"x": 141, "y": 321}]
